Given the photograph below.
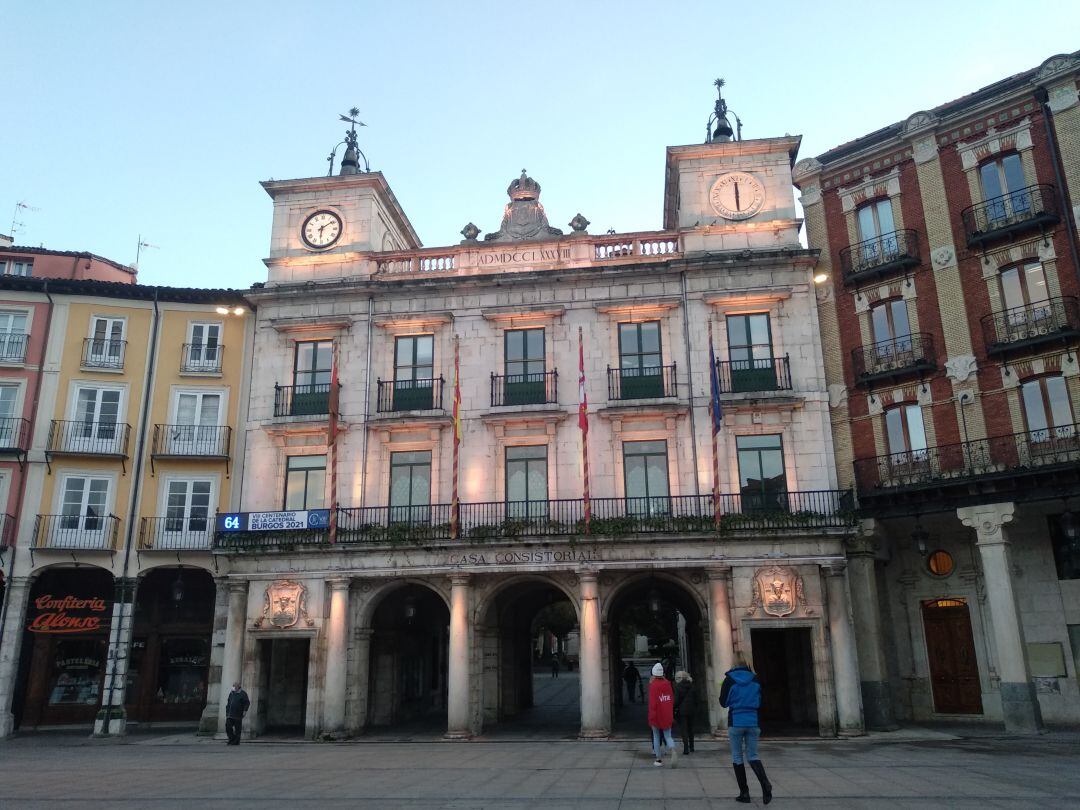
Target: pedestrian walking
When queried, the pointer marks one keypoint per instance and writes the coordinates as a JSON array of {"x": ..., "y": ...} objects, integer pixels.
[
  {"x": 740, "y": 694},
  {"x": 235, "y": 709},
  {"x": 632, "y": 678},
  {"x": 661, "y": 714},
  {"x": 554, "y": 666},
  {"x": 684, "y": 709}
]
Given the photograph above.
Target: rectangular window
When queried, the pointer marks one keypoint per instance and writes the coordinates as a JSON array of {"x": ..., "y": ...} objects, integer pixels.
[
  {"x": 645, "y": 474},
  {"x": 750, "y": 351},
  {"x": 204, "y": 348},
  {"x": 640, "y": 360},
  {"x": 9, "y": 424},
  {"x": 762, "y": 480},
  {"x": 17, "y": 267},
  {"x": 195, "y": 431},
  {"x": 1048, "y": 415},
  {"x": 526, "y": 481},
  {"x": 106, "y": 343},
  {"x": 12, "y": 337},
  {"x": 410, "y": 486},
  {"x": 1004, "y": 189},
  {"x": 524, "y": 367},
  {"x": 414, "y": 368},
  {"x": 305, "y": 482},
  {"x": 188, "y": 506},
  {"x": 892, "y": 333},
  {"x": 907, "y": 440},
  {"x": 97, "y": 414},
  {"x": 84, "y": 504},
  {"x": 875, "y": 220},
  {"x": 312, "y": 369}
]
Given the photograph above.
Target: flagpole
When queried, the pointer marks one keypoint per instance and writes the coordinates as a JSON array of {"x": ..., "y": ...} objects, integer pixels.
[
  {"x": 455, "y": 506},
  {"x": 583, "y": 423},
  {"x": 331, "y": 440},
  {"x": 714, "y": 402}
]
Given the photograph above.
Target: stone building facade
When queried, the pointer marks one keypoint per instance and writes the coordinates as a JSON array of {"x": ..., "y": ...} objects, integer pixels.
[
  {"x": 951, "y": 328},
  {"x": 357, "y": 597}
]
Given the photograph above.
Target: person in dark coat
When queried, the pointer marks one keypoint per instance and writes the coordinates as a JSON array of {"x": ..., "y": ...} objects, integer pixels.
[
  {"x": 632, "y": 678},
  {"x": 684, "y": 709},
  {"x": 554, "y": 666},
  {"x": 235, "y": 709},
  {"x": 740, "y": 694}
]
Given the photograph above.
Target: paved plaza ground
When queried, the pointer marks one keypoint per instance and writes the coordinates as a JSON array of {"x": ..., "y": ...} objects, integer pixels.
[{"x": 533, "y": 765}]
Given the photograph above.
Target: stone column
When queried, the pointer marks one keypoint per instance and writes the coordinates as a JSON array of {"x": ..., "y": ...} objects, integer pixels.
[
  {"x": 232, "y": 663},
  {"x": 362, "y": 646},
  {"x": 721, "y": 642},
  {"x": 336, "y": 635},
  {"x": 844, "y": 657},
  {"x": 1019, "y": 703},
  {"x": 869, "y": 634},
  {"x": 459, "y": 675},
  {"x": 590, "y": 660},
  {"x": 112, "y": 717},
  {"x": 18, "y": 598}
]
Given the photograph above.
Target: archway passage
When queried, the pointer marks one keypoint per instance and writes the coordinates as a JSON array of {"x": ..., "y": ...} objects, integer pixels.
[
  {"x": 408, "y": 663},
  {"x": 531, "y": 684},
  {"x": 654, "y": 620}
]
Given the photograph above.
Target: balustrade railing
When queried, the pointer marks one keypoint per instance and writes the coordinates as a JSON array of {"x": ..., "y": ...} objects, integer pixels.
[
  {"x": 409, "y": 395},
  {"x": 12, "y": 347},
  {"x": 193, "y": 441},
  {"x": 192, "y": 532},
  {"x": 880, "y": 255},
  {"x": 650, "y": 382},
  {"x": 1048, "y": 320},
  {"x": 524, "y": 389},
  {"x": 98, "y": 353},
  {"x": 76, "y": 437},
  {"x": 894, "y": 357},
  {"x": 81, "y": 531},
  {"x": 759, "y": 374},
  {"x": 1029, "y": 207}
]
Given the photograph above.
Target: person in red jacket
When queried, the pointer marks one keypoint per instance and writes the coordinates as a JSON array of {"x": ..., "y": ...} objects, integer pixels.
[{"x": 661, "y": 713}]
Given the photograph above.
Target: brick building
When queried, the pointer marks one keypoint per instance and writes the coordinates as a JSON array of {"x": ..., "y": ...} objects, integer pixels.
[{"x": 950, "y": 329}]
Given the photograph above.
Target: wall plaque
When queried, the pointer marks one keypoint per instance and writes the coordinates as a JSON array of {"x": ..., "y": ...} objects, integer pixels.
[
  {"x": 284, "y": 604},
  {"x": 778, "y": 591}
]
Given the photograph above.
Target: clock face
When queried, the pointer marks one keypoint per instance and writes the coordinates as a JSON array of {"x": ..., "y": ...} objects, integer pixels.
[
  {"x": 737, "y": 195},
  {"x": 321, "y": 229}
]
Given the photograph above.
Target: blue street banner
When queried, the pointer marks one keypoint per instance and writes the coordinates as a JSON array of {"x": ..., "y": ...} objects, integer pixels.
[{"x": 297, "y": 520}]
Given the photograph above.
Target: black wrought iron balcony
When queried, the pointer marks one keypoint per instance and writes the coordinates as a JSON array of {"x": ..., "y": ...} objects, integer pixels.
[
  {"x": 880, "y": 256},
  {"x": 14, "y": 436},
  {"x": 88, "y": 532},
  {"x": 7, "y": 531},
  {"x": 524, "y": 389},
  {"x": 894, "y": 359},
  {"x": 746, "y": 376},
  {"x": 1056, "y": 320},
  {"x": 177, "y": 533},
  {"x": 192, "y": 441},
  {"x": 1025, "y": 209},
  {"x": 997, "y": 456},
  {"x": 302, "y": 400},
  {"x": 201, "y": 358},
  {"x": 13, "y": 347},
  {"x": 410, "y": 395},
  {"x": 108, "y": 354},
  {"x": 77, "y": 438},
  {"x": 652, "y": 382}
]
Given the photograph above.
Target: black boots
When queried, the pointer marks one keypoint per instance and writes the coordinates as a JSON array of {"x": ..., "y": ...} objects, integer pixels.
[
  {"x": 766, "y": 786},
  {"x": 740, "y": 777}
]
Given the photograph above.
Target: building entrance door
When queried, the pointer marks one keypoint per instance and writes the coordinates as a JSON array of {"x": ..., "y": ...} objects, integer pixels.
[
  {"x": 784, "y": 662},
  {"x": 950, "y": 649},
  {"x": 282, "y": 701}
]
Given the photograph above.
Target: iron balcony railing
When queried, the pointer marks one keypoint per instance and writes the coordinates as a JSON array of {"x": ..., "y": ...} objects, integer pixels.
[
  {"x": 98, "y": 353},
  {"x": 12, "y": 347},
  {"x": 1048, "y": 321},
  {"x": 524, "y": 389},
  {"x": 83, "y": 531},
  {"x": 177, "y": 533},
  {"x": 893, "y": 359},
  {"x": 880, "y": 256},
  {"x": 651, "y": 382},
  {"x": 14, "y": 435},
  {"x": 201, "y": 358},
  {"x": 7, "y": 531},
  {"x": 764, "y": 374},
  {"x": 302, "y": 400},
  {"x": 1013, "y": 453},
  {"x": 192, "y": 441},
  {"x": 425, "y": 394},
  {"x": 89, "y": 438},
  {"x": 1030, "y": 207},
  {"x": 611, "y": 517}
]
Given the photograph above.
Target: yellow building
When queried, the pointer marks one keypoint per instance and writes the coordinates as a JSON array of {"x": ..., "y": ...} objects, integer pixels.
[{"x": 131, "y": 456}]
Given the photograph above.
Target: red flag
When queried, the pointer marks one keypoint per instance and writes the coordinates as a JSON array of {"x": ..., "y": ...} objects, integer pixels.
[
  {"x": 331, "y": 441},
  {"x": 455, "y": 505},
  {"x": 583, "y": 423}
]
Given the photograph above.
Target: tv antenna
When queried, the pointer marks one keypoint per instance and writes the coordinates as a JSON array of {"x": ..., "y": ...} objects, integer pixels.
[
  {"x": 21, "y": 205},
  {"x": 138, "y": 250}
]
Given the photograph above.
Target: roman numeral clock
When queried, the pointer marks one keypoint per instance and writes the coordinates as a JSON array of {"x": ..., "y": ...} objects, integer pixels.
[{"x": 737, "y": 195}]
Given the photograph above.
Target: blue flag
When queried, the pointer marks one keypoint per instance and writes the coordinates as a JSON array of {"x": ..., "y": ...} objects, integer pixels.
[{"x": 714, "y": 385}]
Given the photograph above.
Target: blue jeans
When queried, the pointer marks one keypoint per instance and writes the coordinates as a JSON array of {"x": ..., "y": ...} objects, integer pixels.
[
  {"x": 740, "y": 736},
  {"x": 656, "y": 732}
]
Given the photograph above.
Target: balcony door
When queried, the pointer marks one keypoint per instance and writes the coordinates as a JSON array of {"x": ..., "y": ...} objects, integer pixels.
[
  {"x": 907, "y": 440},
  {"x": 12, "y": 337},
  {"x": 83, "y": 510},
  {"x": 526, "y": 482},
  {"x": 645, "y": 472},
  {"x": 106, "y": 343},
  {"x": 196, "y": 431},
  {"x": 9, "y": 423},
  {"x": 1026, "y": 300},
  {"x": 640, "y": 360},
  {"x": 1051, "y": 427},
  {"x": 414, "y": 372},
  {"x": 204, "y": 347},
  {"x": 1004, "y": 190},
  {"x": 311, "y": 377},
  {"x": 762, "y": 478},
  {"x": 525, "y": 367},
  {"x": 877, "y": 233},
  {"x": 410, "y": 487},
  {"x": 187, "y": 512},
  {"x": 97, "y": 428},
  {"x": 750, "y": 351},
  {"x": 892, "y": 334}
]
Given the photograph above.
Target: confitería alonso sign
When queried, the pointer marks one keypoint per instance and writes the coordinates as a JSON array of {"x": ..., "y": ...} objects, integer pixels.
[
  {"x": 526, "y": 557},
  {"x": 68, "y": 614}
]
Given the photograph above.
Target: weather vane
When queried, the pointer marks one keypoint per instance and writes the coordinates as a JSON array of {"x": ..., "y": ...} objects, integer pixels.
[
  {"x": 349, "y": 163},
  {"x": 723, "y": 131}
]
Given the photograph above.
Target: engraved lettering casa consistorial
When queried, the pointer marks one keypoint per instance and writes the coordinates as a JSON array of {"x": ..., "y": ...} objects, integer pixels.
[
  {"x": 777, "y": 591},
  {"x": 284, "y": 604}
]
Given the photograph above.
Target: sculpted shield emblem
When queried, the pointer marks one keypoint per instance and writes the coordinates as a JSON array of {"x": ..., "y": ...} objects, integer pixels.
[
  {"x": 777, "y": 591},
  {"x": 284, "y": 603}
]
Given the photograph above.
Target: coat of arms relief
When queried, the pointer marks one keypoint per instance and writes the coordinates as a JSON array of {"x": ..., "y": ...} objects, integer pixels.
[
  {"x": 777, "y": 591},
  {"x": 284, "y": 604}
]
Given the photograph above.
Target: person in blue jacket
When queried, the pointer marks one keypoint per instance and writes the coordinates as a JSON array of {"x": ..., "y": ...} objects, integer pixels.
[{"x": 740, "y": 694}]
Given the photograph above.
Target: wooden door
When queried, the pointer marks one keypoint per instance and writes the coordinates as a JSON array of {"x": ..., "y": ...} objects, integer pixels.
[{"x": 950, "y": 647}]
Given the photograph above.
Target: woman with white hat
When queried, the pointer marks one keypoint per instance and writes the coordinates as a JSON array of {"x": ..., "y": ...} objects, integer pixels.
[{"x": 661, "y": 713}]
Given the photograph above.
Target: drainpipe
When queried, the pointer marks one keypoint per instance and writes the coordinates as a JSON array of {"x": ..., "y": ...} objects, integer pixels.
[
  {"x": 1042, "y": 96},
  {"x": 367, "y": 403},
  {"x": 690, "y": 382},
  {"x": 26, "y": 462},
  {"x": 136, "y": 491}
]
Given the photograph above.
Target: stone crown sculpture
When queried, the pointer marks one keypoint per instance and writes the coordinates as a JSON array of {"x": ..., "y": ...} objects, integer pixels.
[{"x": 524, "y": 218}]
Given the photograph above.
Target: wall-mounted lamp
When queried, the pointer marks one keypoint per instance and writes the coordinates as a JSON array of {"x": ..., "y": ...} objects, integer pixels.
[
  {"x": 654, "y": 601},
  {"x": 821, "y": 278},
  {"x": 920, "y": 536},
  {"x": 178, "y": 587},
  {"x": 410, "y": 609}
]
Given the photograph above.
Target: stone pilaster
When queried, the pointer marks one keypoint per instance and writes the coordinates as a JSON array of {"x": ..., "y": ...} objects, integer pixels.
[
  {"x": 334, "y": 686},
  {"x": 112, "y": 717},
  {"x": 590, "y": 659},
  {"x": 18, "y": 598},
  {"x": 362, "y": 650},
  {"x": 844, "y": 657},
  {"x": 458, "y": 676},
  {"x": 232, "y": 664},
  {"x": 869, "y": 633},
  {"x": 721, "y": 643},
  {"x": 1019, "y": 703}
]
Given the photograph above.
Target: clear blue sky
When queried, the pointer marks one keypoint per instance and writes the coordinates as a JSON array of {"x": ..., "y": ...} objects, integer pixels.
[{"x": 158, "y": 118}]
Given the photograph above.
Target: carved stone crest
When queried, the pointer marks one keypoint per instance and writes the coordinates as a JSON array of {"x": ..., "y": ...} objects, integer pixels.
[
  {"x": 961, "y": 367},
  {"x": 778, "y": 591},
  {"x": 524, "y": 217},
  {"x": 284, "y": 604}
]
